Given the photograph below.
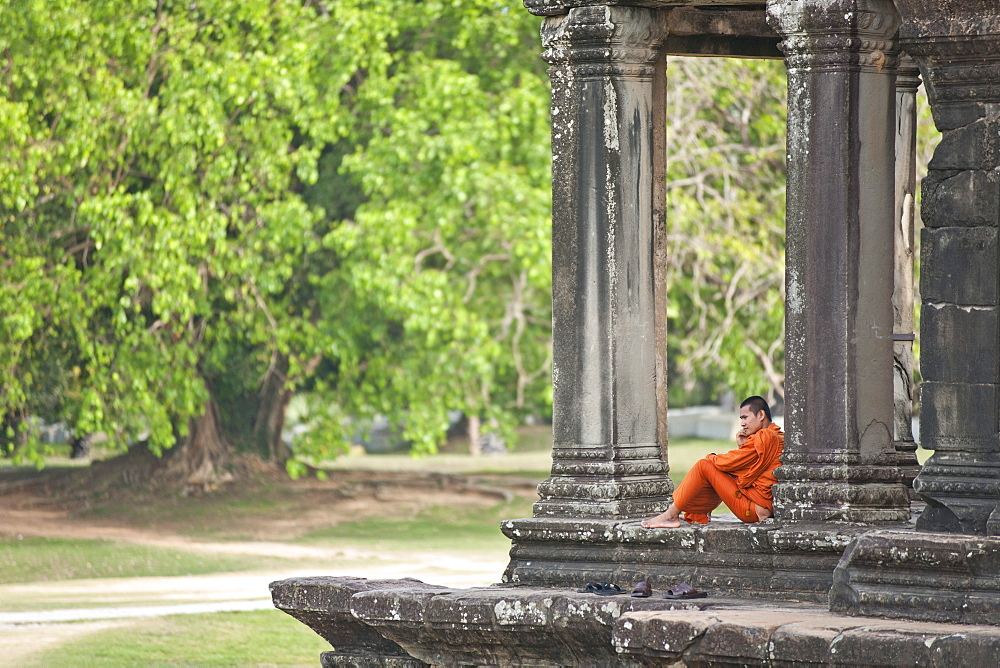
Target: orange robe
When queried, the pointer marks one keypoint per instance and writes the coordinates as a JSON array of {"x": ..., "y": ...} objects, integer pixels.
[{"x": 739, "y": 478}]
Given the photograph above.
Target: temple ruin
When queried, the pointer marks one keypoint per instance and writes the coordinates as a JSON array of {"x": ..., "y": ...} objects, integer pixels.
[{"x": 861, "y": 533}]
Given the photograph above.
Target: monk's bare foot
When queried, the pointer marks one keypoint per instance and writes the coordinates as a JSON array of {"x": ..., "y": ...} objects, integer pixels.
[
  {"x": 762, "y": 512},
  {"x": 666, "y": 520}
]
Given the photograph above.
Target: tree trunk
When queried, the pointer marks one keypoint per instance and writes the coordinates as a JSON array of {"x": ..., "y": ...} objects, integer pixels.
[
  {"x": 204, "y": 456},
  {"x": 270, "y": 419},
  {"x": 475, "y": 436}
]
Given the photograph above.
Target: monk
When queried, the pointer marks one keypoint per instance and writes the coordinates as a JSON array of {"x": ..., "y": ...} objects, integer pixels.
[{"x": 740, "y": 478}]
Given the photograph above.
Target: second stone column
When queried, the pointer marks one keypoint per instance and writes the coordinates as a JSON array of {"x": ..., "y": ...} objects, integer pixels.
[{"x": 839, "y": 456}]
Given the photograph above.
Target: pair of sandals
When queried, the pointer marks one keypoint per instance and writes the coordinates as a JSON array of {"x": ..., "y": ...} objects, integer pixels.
[{"x": 682, "y": 591}]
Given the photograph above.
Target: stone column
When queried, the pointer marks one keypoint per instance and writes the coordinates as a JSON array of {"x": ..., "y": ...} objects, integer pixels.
[
  {"x": 907, "y": 83},
  {"x": 839, "y": 455},
  {"x": 960, "y": 266},
  {"x": 608, "y": 325}
]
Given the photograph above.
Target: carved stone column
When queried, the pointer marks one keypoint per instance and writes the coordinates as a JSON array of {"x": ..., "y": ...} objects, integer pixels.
[
  {"x": 839, "y": 456},
  {"x": 609, "y": 334},
  {"x": 959, "y": 55},
  {"x": 907, "y": 83}
]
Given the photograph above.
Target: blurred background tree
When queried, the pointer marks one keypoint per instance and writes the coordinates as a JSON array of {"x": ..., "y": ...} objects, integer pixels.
[
  {"x": 208, "y": 206},
  {"x": 211, "y": 207},
  {"x": 726, "y": 227}
]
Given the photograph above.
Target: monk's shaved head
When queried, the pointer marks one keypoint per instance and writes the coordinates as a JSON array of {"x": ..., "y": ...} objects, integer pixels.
[{"x": 756, "y": 405}]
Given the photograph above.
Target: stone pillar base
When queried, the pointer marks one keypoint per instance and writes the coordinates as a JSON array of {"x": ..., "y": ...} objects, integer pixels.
[
  {"x": 922, "y": 576},
  {"x": 963, "y": 499},
  {"x": 610, "y": 483},
  {"x": 842, "y": 490}
]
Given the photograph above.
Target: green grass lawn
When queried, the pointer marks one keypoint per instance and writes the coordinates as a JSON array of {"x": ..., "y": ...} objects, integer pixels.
[
  {"x": 264, "y": 638},
  {"x": 34, "y": 559},
  {"x": 269, "y": 638},
  {"x": 532, "y": 462},
  {"x": 465, "y": 530}
]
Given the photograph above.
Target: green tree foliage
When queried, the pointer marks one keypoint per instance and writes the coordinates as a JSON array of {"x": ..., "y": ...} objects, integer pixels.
[
  {"x": 171, "y": 264},
  {"x": 450, "y": 246},
  {"x": 725, "y": 225},
  {"x": 148, "y": 204}
]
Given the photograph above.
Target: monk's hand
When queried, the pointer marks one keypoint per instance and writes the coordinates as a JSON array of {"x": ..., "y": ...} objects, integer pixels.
[{"x": 741, "y": 436}]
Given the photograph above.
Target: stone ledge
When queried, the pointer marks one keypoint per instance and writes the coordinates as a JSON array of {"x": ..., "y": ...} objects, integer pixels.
[
  {"x": 922, "y": 576},
  {"x": 774, "y": 636},
  {"x": 791, "y": 561},
  {"x": 422, "y": 624},
  {"x": 435, "y": 625},
  {"x": 324, "y": 605}
]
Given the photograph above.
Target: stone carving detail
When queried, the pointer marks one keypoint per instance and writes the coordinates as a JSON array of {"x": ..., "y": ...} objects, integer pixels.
[
  {"x": 604, "y": 40},
  {"x": 836, "y": 35}
]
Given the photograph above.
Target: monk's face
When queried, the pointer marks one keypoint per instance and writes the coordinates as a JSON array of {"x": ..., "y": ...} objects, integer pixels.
[{"x": 751, "y": 423}]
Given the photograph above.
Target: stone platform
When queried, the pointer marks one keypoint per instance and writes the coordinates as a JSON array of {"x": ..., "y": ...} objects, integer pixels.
[
  {"x": 921, "y": 576},
  {"x": 785, "y": 561},
  {"x": 409, "y": 623}
]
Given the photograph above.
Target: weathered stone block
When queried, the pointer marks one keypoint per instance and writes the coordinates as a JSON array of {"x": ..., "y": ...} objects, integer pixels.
[
  {"x": 743, "y": 641},
  {"x": 959, "y": 416},
  {"x": 738, "y": 539},
  {"x": 324, "y": 605},
  {"x": 804, "y": 641},
  {"x": 975, "y": 146},
  {"x": 355, "y": 660},
  {"x": 965, "y": 198},
  {"x": 794, "y": 637},
  {"x": 875, "y": 647},
  {"x": 923, "y": 576},
  {"x": 960, "y": 343},
  {"x": 960, "y": 265},
  {"x": 647, "y": 635},
  {"x": 965, "y": 648}
]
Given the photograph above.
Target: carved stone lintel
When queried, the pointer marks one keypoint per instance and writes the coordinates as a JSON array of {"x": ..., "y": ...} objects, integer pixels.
[{"x": 956, "y": 49}]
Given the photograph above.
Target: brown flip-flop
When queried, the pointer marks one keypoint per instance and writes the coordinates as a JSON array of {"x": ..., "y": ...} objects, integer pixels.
[
  {"x": 642, "y": 590},
  {"x": 684, "y": 591}
]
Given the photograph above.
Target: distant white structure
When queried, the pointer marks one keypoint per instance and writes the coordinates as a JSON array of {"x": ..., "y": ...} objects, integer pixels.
[{"x": 706, "y": 422}]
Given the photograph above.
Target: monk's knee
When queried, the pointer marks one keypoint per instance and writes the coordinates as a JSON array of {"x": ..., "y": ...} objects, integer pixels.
[{"x": 703, "y": 465}]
